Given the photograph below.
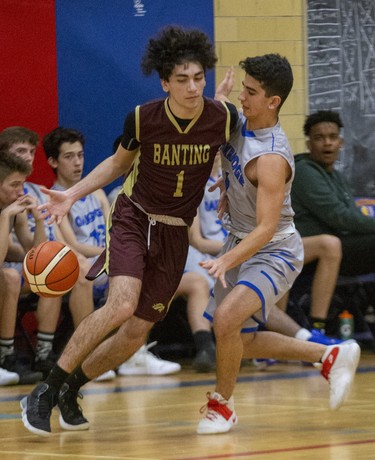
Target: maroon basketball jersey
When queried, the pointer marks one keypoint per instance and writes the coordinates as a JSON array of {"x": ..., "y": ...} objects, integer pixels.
[{"x": 173, "y": 164}]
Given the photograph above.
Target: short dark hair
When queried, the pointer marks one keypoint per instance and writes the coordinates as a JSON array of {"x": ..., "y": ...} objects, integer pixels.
[
  {"x": 321, "y": 116},
  {"x": 175, "y": 45},
  {"x": 54, "y": 139},
  {"x": 273, "y": 72},
  {"x": 12, "y": 163},
  {"x": 17, "y": 134}
]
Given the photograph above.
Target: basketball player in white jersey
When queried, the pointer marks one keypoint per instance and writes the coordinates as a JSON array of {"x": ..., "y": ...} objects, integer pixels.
[{"x": 263, "y": 253}]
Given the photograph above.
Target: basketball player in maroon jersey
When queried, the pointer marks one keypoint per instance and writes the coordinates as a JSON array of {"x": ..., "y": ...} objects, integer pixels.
[{"x": 167, "y": 150}]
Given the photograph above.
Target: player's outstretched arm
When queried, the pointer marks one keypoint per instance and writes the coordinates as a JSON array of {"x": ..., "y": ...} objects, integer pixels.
[{"x": 107, "y": 171}]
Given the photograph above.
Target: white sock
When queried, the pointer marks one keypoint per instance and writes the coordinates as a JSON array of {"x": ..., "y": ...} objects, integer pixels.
[
  {"x": 218, "y": 397},
  {"x": 303, "y": 334}
]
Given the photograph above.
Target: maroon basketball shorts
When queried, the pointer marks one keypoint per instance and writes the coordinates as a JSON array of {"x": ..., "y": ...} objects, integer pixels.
[{"x": 154, "y": 253}]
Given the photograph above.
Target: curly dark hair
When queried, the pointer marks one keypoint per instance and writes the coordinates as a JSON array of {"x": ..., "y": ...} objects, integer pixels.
[
  {"x": 175, "y": 45},
  {"x": 54, "y": 139},
  {"x": 273, "y": 72},
  {"x": 321, "y": 116}
]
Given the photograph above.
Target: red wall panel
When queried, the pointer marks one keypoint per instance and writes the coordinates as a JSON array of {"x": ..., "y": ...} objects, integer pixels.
[{"x": 28, "y": 75}]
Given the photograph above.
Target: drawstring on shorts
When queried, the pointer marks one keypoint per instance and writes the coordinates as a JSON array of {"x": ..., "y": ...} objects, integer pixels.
[{"x": 151, "y": 222}]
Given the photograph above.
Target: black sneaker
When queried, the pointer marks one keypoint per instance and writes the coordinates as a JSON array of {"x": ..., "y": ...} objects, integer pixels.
[
  {"x": 27, "y": 376},
  {"x": 205, "y": 360},
  {"x": 45, "y": 365},
  {"x": 71, "y": 417},
  {"x": 36, "y": 410}
]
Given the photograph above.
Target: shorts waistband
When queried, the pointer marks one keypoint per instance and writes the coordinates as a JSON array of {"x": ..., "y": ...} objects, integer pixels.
[
  {"x": 168, "y": 220},
  {"x": 275, "y": 239}
]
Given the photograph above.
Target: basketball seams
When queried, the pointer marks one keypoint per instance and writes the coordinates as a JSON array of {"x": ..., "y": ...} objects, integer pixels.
[{"x": 58, "y": 276}]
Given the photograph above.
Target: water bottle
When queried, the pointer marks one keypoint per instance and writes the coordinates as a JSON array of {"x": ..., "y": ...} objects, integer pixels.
[{"x": 346, "y": 325}]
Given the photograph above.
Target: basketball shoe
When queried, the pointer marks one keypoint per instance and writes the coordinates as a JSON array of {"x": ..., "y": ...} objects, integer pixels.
[
  {"x": 37, "y": 408},
  {"x": 71, "y": 416},
  {"x": 339, "y": 364},
  {"x": 219, "y": 417},
  {"x": 143, "y": 362},
  {"x": 8, "y": 378},
  {"x": 106, "y": 377},
  {"x": 262, "y": 363},
  {"x": 318, "y": 336}
]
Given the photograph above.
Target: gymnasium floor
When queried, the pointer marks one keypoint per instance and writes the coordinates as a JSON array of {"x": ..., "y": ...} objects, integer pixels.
[{"x": 283, "y": 414}]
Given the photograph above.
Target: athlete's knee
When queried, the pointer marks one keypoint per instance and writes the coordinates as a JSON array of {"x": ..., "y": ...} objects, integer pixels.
[
  {"x": 135, "y": 330},
  {"x": 10, "y": 279},
  {"x": 331, "y": 247},
  {"x": 224, "y": 326}
]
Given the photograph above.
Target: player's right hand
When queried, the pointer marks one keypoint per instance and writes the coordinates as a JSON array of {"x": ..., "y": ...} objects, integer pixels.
[{"x": 57, "y": 207}]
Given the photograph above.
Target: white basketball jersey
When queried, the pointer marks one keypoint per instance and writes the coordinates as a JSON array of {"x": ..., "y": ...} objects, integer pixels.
[
  {"x": 243, "y": 147},
  {"x": 34, "y": 191},
  {"x": 210, "y": 225},
  {"x": 87, "y": 220}
]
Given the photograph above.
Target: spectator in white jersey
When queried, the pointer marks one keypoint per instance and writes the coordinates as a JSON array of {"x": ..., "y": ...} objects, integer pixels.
[
  {"x": 14, "y": 206},
  {"x": 84, "y": 228}
]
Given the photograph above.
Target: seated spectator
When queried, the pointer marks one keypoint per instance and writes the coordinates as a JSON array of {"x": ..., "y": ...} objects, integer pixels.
[
  {"x": 83, "y": 228},
  {"x": 13, "y": 204},
  {"x": 325, "y": 251},
  {"x": 207, "y": 236},
  {"x": 323, "y": 201},
  {"x": 22, "y": 142}
]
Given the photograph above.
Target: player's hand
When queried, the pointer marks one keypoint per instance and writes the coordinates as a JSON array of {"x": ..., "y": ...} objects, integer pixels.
[
  {"x": 215, "y": 268},
  {"x": 57, "y": 207},
  {"x": 22, "y": 203},
  {"x": 31, "y": 204},
  {"x": 222, "y": 206},
  {"x": 225, "y": 86}
]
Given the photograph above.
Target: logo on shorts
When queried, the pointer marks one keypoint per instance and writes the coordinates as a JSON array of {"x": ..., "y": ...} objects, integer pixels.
[{"x": 158, "y": 307}]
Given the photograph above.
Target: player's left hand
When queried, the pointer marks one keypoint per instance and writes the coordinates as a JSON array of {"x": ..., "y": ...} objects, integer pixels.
[{"x": 215, "y": 268}]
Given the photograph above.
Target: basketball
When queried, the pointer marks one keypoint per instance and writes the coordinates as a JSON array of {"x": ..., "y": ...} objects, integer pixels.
[{"x": 51, "y": 269}]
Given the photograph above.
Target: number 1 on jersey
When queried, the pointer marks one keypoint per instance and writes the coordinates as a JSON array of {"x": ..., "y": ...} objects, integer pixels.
[{"x": 180, "y": 180}]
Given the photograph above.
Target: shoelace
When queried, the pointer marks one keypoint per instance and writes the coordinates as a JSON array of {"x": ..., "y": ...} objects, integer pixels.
[
  {"x": 71, "y": 397},
  {"x": 45, "y": 406},
  {"x": 214, "y": 408},
  {"x": 204, "y": 408}
]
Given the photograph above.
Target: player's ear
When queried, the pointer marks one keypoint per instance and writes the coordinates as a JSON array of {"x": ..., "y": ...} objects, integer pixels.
[
  {"x": 164, "y": 85},
  {"x": 275, "y": 102},
  {"x": 52, "y": 162}
]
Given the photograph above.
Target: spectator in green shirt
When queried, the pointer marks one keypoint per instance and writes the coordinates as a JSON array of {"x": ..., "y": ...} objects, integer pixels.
[{"x": 322, "y": 198}]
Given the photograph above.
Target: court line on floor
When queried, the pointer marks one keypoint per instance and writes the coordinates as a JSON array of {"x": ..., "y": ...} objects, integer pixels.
[
  {"x": 196, "y": 383},
  {"x": 278, "y": 451}
]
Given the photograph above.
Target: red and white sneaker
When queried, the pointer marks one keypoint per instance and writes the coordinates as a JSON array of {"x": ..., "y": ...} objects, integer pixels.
[
  {"x": 339, "y": 364},
  {"x": 219, "y": 416}
]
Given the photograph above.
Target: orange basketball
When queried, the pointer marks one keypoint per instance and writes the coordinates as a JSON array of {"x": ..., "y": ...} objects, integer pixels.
[{"x": 51, "y": 269}]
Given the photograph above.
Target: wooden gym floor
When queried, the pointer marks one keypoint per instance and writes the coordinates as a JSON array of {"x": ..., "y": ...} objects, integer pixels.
[{"x": 283, "y": 414}]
